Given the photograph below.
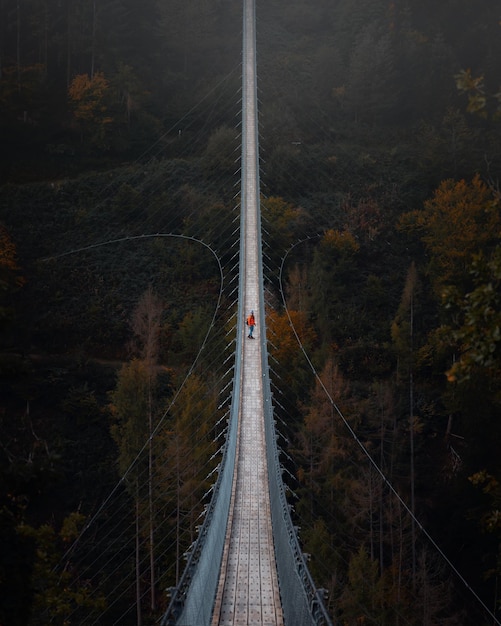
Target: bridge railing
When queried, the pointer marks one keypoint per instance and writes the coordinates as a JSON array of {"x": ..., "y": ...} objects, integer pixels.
[
  {"x": 192, "y": 601},
  {"x": 302, "y": 602}
]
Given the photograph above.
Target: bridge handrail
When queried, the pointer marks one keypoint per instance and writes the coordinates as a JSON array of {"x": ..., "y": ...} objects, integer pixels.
[
  {"x": 302, "y": 603},
  {"x": 201, "y": 574}
]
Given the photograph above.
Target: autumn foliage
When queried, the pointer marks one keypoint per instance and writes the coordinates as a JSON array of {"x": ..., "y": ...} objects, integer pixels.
[
  {"x": 460, "y": 219},
  {"x": 90, "y": 102}
]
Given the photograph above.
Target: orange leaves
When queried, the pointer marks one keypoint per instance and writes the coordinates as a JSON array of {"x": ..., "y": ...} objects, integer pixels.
[
  {"x": 460, "y": 226},
  {"x": 292, "y": 366},
  {"x": 284, "y": 341},
  {"x": 90, "y": 98},
  {"x": 459, "y": 220},
  {"x": 87, "y": 95},
  {"x": 341, "y": 242}
]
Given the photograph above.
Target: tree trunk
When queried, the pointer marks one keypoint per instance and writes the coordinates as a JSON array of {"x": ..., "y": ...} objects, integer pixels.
[
  {"x": 146, "y": 326},
  {"x": 381, "y": 493},
  {"x": 411, "y": 434},
  {"x": 178, "y": 519},
  {"x": 150, "y": 500},
  {"x": 18, "y": 45},
  {"x": 93, "y": 42},
  {"x": 68, "y": 43},
  {"x": 139, "y": 619},
  {"x": 46, "y": 38}
]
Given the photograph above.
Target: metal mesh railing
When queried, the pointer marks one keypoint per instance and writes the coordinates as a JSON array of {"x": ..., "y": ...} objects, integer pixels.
[
  {"x": 193, "y": 600},
  {"x": 302, "y": 602}
]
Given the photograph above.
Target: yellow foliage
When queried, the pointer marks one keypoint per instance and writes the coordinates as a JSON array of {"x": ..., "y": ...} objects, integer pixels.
[
  {"x": 474, "y": 88},
  {"x": 285, "y": 343},
  {"x": 340, "y": 241},
  {"x": 284, "y": 216},
  {"x": 467, "y": 83},
  {"x": 459, "y": 220},
  {"x": 88, "y": 97}
]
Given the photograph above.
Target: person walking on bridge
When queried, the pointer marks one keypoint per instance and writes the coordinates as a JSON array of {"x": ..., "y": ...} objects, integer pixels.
[{"x": 251, "y": 322}]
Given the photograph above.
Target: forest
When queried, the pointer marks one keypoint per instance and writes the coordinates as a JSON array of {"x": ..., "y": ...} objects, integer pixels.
[{"x": 380, "y": 138}]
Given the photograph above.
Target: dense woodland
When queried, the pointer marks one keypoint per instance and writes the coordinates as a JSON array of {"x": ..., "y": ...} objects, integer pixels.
[{"x": 381, "y": 157}]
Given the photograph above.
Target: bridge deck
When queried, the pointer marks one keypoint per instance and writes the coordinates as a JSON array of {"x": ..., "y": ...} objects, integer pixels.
[{"x": 248, "y": 590}]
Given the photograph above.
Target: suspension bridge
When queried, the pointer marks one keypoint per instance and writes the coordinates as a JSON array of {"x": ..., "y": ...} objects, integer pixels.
[{"x": 248, "y": 567}]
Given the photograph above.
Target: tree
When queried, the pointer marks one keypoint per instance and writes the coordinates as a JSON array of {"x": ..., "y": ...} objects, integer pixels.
[
  {"x": 458, "y": 221},
  {"x": 146, "y": 324},
  {"x": 60, "y": 598},
  {"x": 448, "y": 149},
  {"x": 10, "y": 279},
  {"x": 361, "y": 602},
  {"x": 371, "y": 87},
  {"x": 479, "y": 331},
  {"x": 402, "y": 332},
  {"x": 285, "y": 349},
  {"x": 128, "y": 88},
  {"x": 90, "y": 101},
  {"x": 130, "y": 431},
  {"x": 22, "y": 93},
  {"x": 322, "y": 440},
  {"x": 221, "y": 152},
  {"x": 192, "y": 330},
  {"x": 490, "y": 521},
  {"x": 133, "y": 404},
  {"x": 185, "y": 449},
  {"x": 332, "y": 274},
  {"x": 283, "y": 221},
  {"x": 133, "y": 124},
  {"x": 480, "y": 101}
]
